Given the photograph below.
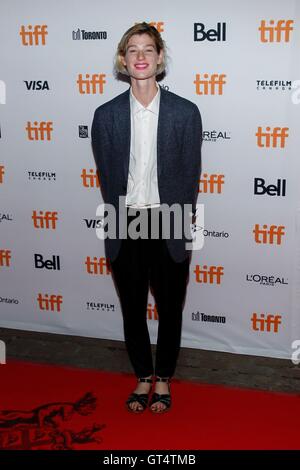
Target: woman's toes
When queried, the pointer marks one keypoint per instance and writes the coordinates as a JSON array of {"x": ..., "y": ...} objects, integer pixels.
[
  {"x": 136, "y": 406},
  {"x": 158, "y": 408}
]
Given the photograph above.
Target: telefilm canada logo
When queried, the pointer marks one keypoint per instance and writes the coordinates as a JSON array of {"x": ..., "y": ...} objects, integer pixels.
[
  {"x": 100, "y": 306},
  {"x": 42, "y": 175},
  {"x": 273, "y": 85}
]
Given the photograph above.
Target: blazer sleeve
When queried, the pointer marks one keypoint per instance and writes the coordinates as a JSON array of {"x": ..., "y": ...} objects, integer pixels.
[
  {"x": 97, "y": 135},
  {"x": 192, "y": 155}
]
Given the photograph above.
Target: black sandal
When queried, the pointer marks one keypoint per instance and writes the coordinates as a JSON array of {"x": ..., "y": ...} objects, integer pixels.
[
  {"x": 164, "y": 398},
  {"x": 141, "y": 398}
]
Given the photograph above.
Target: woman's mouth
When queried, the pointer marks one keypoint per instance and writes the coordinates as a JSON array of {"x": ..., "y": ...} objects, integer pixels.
[{"x": 141, "y": 66}]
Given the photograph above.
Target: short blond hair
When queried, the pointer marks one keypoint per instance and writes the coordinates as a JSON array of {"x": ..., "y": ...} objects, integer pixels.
[{"x": 140, "y": 28}]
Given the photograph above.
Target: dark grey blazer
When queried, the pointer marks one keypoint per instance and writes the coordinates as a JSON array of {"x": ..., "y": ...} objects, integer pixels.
[{"x": 179, "y": 139}]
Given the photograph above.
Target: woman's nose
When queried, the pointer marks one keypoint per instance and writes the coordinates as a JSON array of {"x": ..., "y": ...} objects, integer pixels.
[{"x": 140, "y": 55}]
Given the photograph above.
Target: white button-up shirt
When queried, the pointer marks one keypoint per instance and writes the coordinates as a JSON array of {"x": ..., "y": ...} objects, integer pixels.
[{"x": 142, "y": 186}]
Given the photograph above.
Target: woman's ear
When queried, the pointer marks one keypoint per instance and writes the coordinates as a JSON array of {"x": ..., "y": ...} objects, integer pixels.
[
  {"x": 122, "y": 60},
  {"x": 160, "y": 57}
]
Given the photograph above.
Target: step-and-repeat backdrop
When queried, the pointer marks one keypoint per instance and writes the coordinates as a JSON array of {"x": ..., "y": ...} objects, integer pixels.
[{"x": 239, "y": 62}]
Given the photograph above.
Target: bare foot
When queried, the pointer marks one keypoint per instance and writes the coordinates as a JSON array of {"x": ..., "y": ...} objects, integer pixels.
[
  {"x": 161, "y": 388},
  {"x": 142, "y": 387}
]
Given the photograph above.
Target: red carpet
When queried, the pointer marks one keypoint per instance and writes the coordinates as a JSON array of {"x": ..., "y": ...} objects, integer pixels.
[{"x": 49, "y": 407}]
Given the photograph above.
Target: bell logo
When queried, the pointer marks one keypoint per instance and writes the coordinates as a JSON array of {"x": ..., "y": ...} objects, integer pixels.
[
  {"x": 267, "y": 323},
  {"x": 45, "y": 220},
  {"x": 218, "y": 34},
  {"x": 1, "y": 173},
  {"x": 91, "y": 179},
  {"x": 52, "y": 302},
  {"x": 209, "y": 274},
  {"x": 210, "y": 85},
  {"x": 260, "y": 187},
  {"x": 34, "y": 36},
  {"x": 5, "y": 257},
  {"x": 53, "y": 263},
  {"x": 274, "y": 138},
  {"x": 211, "y": 183},
  {"x": 159, "y": 25},
  {"x": 152, "y": 312},
  {"x": 94, "y": 85},
  {"x": 38, "y": 131},
  {"x": 97, "y": 266},
  {"x": 276, "y": 32},
  {"x": 270, "y": 236}
]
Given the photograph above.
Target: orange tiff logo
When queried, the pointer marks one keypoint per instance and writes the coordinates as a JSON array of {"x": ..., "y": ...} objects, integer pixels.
[
  {"x": 5, "y": 257},
  {"x": 2, "y": 173},
  {"x": 97, "y": 266},
  {"x": 152, "y": 312},
  {"x": 88, "y": 86},
  {"x": 208, "y": 274},
  {"x": 34, "y": 35},
  {"x": 272, "y": 138},
  {"x": 90, "y": 179},
  {"x": 267, "y": 323},
  {"x": 159, "y": 25},
  {"x": 211, "y": 183},
  {"x": 50, "y": 302},
  {"x": 39, "y": 131},
  {"x": 276, "y": 32},
  {"x": 210, "y": 84},
  {"x": 46, "y": 220},
  {"x": 268, "y": 236}
]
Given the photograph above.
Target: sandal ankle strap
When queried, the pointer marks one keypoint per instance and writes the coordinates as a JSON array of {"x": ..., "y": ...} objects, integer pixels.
[
  {"x": 162, "y": 379},
  {"x": 142, "y": 379}
]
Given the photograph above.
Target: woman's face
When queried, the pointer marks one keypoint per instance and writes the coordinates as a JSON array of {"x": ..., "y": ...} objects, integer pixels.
[{"x": 141, "y": 57}]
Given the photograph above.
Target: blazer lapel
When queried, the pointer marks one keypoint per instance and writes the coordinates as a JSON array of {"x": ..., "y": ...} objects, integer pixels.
[
  {"x": 122, "y": 131},
  {"x": 163, "y": 129}
]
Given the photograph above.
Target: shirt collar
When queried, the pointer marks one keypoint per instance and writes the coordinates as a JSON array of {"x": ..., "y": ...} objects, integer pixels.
[{"x": 136, "y": 106}]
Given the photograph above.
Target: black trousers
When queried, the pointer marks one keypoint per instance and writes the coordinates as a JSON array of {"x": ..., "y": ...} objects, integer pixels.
[{"x": 142, "y": 263}]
